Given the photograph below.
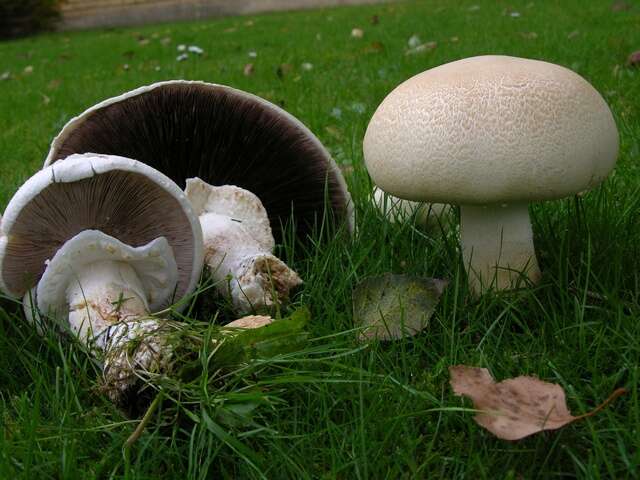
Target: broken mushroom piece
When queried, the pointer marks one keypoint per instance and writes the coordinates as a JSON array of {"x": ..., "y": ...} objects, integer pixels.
[
  {"x": 238, "y": 246},
  {"x": 224, "y": 136},
  {"x": 397, "y": 210},
  {"x": 107, "y": 240},
  {"x": 492, "y": 134}
]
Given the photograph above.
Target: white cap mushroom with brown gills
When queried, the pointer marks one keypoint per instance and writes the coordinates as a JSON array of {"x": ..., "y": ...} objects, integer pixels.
[
  {"x": 238, "y": 246},
  {"x": 122, "y": 198},
  {"x": 224, "y": 136},
  {"x": 492, "y": 134}
]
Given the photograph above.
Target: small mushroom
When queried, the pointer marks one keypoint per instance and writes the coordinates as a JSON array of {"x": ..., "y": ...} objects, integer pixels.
[
  {"x": 427, "y": 215},
  {"x": 238, "y": 246},
  {"x": 224, "y": 136},
  {"x": 102, "y": 241},
  {"x": 492, "y": 134}
]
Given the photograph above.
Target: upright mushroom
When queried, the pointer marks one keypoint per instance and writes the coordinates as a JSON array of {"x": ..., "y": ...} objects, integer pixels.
[
  {"x": 107, "y": 240},
  {"x": 491, "y": 134},
  {"x": 224, "y": 136},
  {"x": 238, "y": 246}
]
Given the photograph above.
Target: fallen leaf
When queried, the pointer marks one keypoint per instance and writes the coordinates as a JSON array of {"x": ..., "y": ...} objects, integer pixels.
[
  {"x": 28, "y": 70},
  {"x": 252, "y": 54},
  {"x": 249, "y": 23},
  {"x": 454, "y": 39},
  {"x": 143, "y": 41},
  {"x": 573, "y": 34},
  {"x": 424, "y": 47},
  {"x": 306, "y": 66},
  {"x": 334, "y": 132},
  {"x": 357, "y": 33},
  {"x": 374, "y": 47},
  {"x": 395, "y": 306},
  {"x": 529, "y": 35},
  {"x": 5, "y": 75},
  {"x": 634, "y": 59},
  {"x": 250, "y": 321},
  {"x": 248, "y": 69},
  {"x": 283, "y": 70},
  {"x": 620, "y": 6},
  {"x": 45, "y": 99},
  {"x": 375, "y": 20},
  {"x": 181, "y": 47},
  {"x": 165, "y": 41},
  {"x": 517, "y": 407}
]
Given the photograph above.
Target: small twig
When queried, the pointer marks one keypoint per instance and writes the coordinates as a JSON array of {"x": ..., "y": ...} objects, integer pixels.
[
  {"x": 137, "y": 433},
  {"x": 616, "y": 393}
]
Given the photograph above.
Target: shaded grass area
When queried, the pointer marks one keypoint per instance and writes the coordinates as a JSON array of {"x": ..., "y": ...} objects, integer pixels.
[{"x": 385, "y": 411}]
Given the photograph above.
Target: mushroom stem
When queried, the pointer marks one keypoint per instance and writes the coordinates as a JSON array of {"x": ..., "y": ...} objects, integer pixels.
[
  {"x": 108, "y": 312},
  {"x": 241, "y": 266},
  {"x": 497, "y": 246}
]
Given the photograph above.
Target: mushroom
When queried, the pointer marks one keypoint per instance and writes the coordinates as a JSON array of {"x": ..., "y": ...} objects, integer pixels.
[
  {"x": 224, "y": 136},
  {"x": 427, "y": 215},
  {"x": 491, "y": 134},
  {"x": 105, "y": 241},
  {"x": 238, "y": 246}
]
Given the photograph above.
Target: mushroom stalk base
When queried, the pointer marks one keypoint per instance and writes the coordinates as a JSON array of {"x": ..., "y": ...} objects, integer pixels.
[
  {"x": 497, "y": 247},
  {"x": 244, "y": 269},
  {"x": 109, "y": 314}
]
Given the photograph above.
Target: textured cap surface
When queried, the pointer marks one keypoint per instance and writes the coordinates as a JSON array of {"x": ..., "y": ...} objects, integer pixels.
[{"x": 491, "y": 129}]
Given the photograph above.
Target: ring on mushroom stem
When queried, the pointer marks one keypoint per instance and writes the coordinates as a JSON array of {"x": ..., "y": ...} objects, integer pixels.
[
  {"x": 107, "y": 240},
  {"x": 224, "y": 136},
  {"x": 492, "y": 134}
]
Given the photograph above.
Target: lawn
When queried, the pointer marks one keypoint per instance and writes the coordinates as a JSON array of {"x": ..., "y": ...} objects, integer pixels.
[{"x": 351, "y": 411}]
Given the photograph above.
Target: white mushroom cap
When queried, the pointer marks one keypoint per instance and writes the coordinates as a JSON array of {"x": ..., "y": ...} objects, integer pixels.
[
  {"x": 121, "y": 197},
  {"x": 153, "y": 263},
  {"x": 491, "y": 129},
  {"x": 237, "y": 203}
]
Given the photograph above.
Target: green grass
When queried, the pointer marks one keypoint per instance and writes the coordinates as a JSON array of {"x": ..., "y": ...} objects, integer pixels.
[{"x": 385, "y": 411}]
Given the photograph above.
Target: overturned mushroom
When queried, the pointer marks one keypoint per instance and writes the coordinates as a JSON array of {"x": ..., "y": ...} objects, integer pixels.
[
  {"x": 107, "y": 240},
  {"x": 238, "y": 246},
  {"x": 492, "y": 134},
  {"x": 224, "y": 136}
]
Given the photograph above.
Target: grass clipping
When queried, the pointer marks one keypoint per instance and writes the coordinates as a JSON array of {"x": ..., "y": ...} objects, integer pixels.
[
  {"x": 517, "y": 407},
  {"x": 215, "y": 372}
]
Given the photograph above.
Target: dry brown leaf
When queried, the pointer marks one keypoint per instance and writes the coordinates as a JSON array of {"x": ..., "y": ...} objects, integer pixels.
[
  {"x": 248, "y": 69},
  {"x": 517, "y": 407},
  {"x": 634, "y": 59}
]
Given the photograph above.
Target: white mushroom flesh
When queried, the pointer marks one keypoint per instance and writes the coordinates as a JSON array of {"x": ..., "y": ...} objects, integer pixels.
[
  {"x": 105, "y": 288},
  {"x": 238, "y": 246}
]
